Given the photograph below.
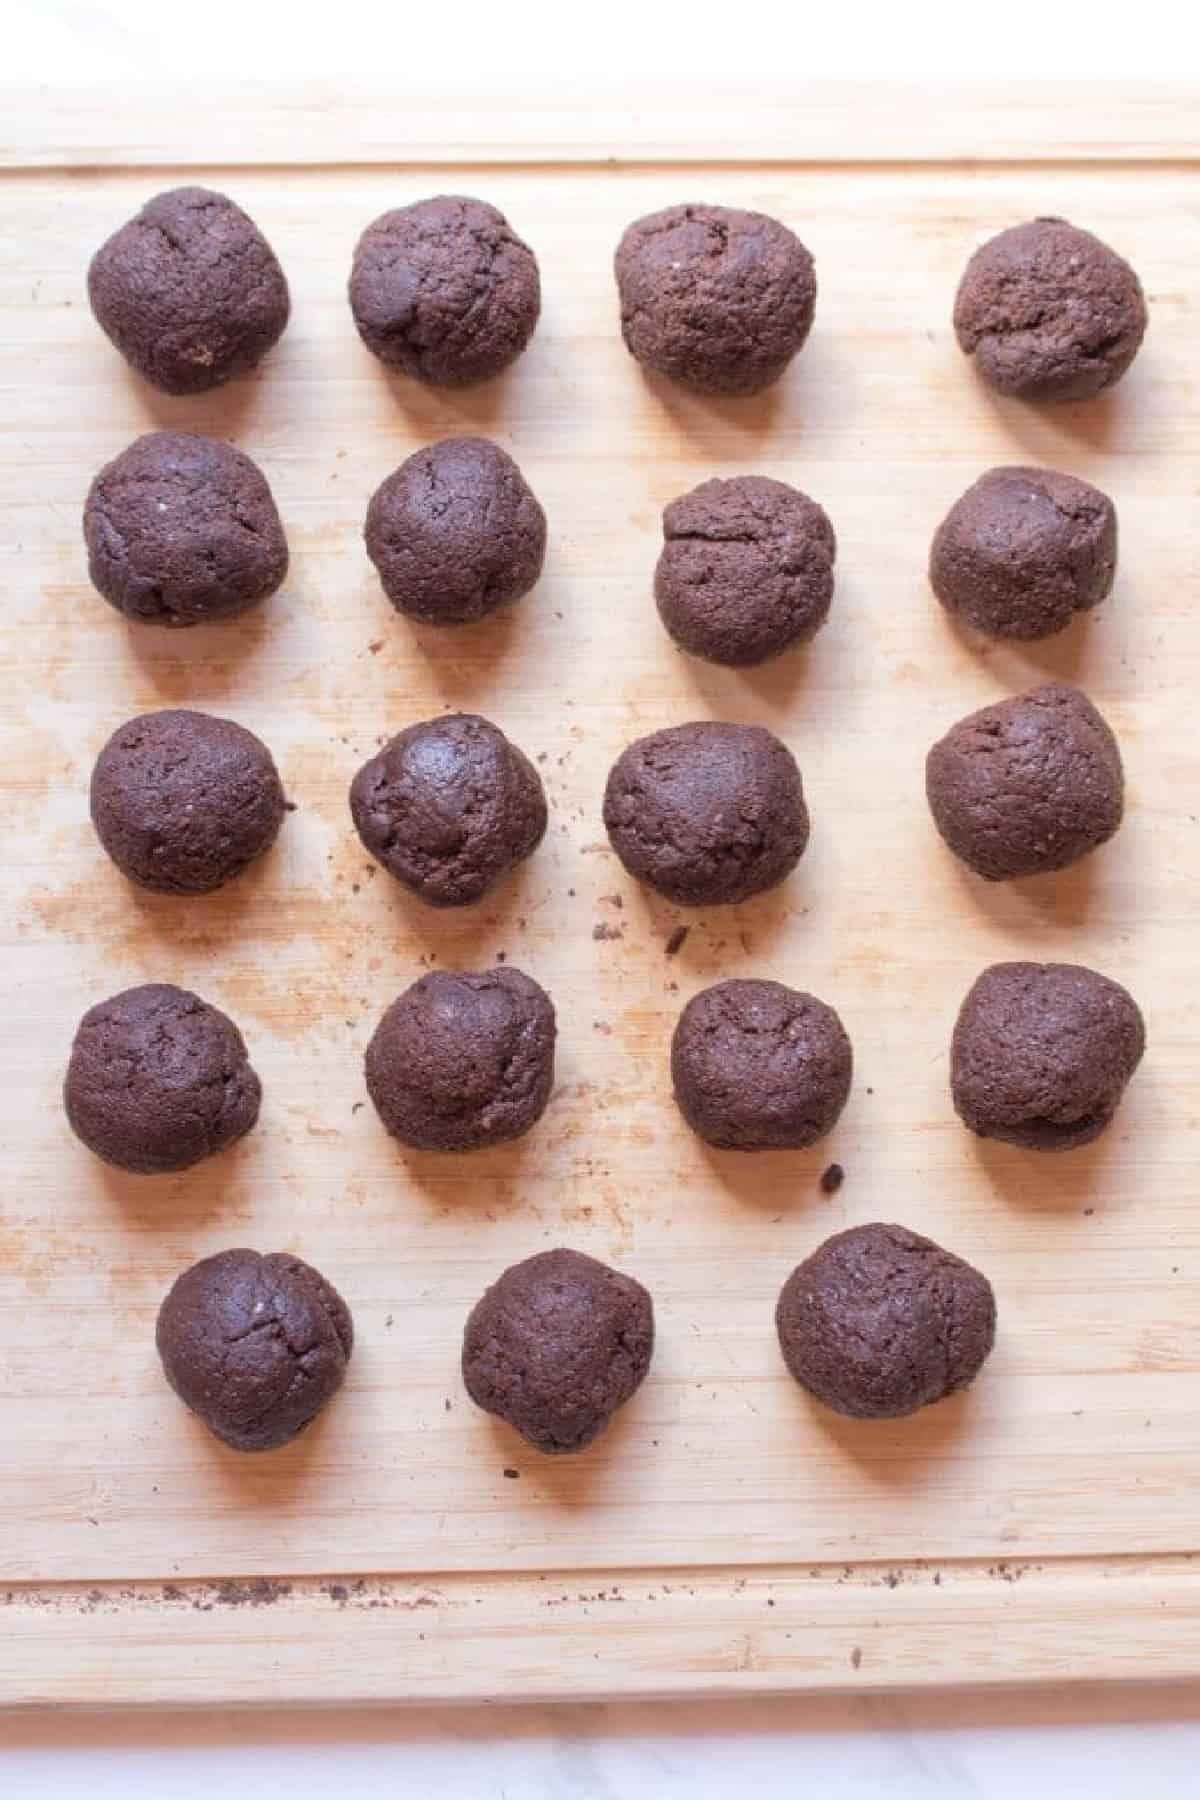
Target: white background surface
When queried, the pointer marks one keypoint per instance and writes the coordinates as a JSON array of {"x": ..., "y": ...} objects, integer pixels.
[{"x": 1104, "y": 1745}]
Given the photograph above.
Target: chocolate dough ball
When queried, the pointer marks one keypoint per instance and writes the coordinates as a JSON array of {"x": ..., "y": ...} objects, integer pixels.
[
  {"x": 1028, "y": 785},
  {"x": 879, "y": 1322},
  {"x": 448, "y": 807},
  {"x": 455, "y": 532},
  {"x": 183, "y": 530},
  {"x": 459, "y": 1062},
  {"x": 189, "y": 291},
  {"x": 716, "y": 299},
  {"x": 556, "y": 1346},
  {"x": 255, "y": 1345},
  {"x": 746, "y": 570},
  {"x": 445, "y": 290},
  {"x": 758, "y": 1066},
  {"x": 1042, "y": 1053},
  {"x": 707, "y": 813},
  {"x": 183, "y": 802},
  {"x": 159, "y": 1079},
  {"x": 1023, "y": 551},
  {"x": 1049, "y": 312}
]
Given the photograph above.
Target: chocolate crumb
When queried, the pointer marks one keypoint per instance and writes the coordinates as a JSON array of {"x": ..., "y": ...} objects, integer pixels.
[
  {"x": 833, "y": 1178},
  {"x": 604, "y": 933},
  {"x": 677, "y": 940},
  {"x": 375, "y": 646},
  {"x": 512, "y": 1474},
  {"x": 856, "y": 1657}
]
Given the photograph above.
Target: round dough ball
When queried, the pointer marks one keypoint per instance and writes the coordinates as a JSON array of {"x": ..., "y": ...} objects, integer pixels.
[
  {"x": 1049, "y": 312},
  {"x": 1028, "y": 785},
  {"x": 445, "y": 291},
  {"x": 255, "y": 1345},
  {"x": 183, "y": 802},
  {"x": 1042, "y": 1053},
  {"x": 758, "y": 1066},
  {"x": 556, "y": 1346},
  {"x": 448, "y": 807},
  {"x": 880, "y": 1322},
  {"x": 708, "y": 813},
  {"x": 455, "y": 532},
  {"x": 746, "y": 570},
  {"x": 182, "y": 530},
  {"x": 158, "y": 1080},
  {"x": 459, "y": 1062},
  {"x": 718, "y": 300},
  {"x": 189, "y": 291},
  {"x": 1023, "y": 551}
]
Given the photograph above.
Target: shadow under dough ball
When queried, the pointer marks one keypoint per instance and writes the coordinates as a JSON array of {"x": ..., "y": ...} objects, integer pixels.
[
  {"x": 158, "y": 1080},
  {"x": 879, "y": 1322},
  {"x": 254, "y": 1345},
  {"x": 716, "y": 299},
  {"x": 1042, "y": 1053},
  {"x": 445, "y": 291},
  {"x": 1049, "y": 312},
  {"x": 455, "y": 532},
  {"x": 189, "y": 291},
  {"x": 459, "y": 1062},
  {"x": 758, "y": 1066},
  {"x": 183, "y": 802},
  {"x": 746, "y": 570},
  {"x": 182, "y": 530},
  {"x": 556, "y": 1346},
  {"x": 1023, "y": 551},
  {"x": 448, "y": 807},
  {"x": 1028, "y": 785},
  {"x": 708, "y": 813}
]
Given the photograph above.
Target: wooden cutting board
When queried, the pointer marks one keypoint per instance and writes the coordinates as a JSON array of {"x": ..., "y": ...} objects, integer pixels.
[{"x": 725, "y": 1535}]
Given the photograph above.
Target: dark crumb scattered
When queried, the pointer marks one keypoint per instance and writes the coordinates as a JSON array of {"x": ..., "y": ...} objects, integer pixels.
[
  {"x": 677, "y": 940},
  {"x": 770, "y": 1603},
  {"x": 358, "y": 1106},
  {"x": 870, "y": 1090},
  {"x": 447, "y": 1406},
  {"x": 93, "y": 1521},
  {"x": 171, "y": 1591},
  {"x": 512, "y": 1474},
  {"x": 338, "y": 1592},
  {"x": 502, "y": 956},
  {"x": 604, "y": 933},
  {"x": 612, "y": 900},
  {"x": 1088, "y": 1211},
  {"x": 541, "y": 756},
  {"x": 570, "y": 893},
  {"x": 892, "y": 1579},
  {"x": 259, "y": 1592},
  {"x": 375, "y": 646},
  {"x": 602, "y": 1026},
  {"x": 833, "y": 1178},
  {"x": 937, "y": 1580},
  {"x": 856, "y": 1658},
  {"x": 387, "y": 1323},
  {"x": 355, "y": 888},
  {"x": 289, "y": 806}
]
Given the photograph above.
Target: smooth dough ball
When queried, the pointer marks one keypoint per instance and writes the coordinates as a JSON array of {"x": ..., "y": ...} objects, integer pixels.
[
  {"x": 183, "y": 802},
  {"x": 255, "y": 1345},
  {"x": 556, "y": 1346},
  {"x": 1028, "y": 785},
  {"x": 455, "y": 532},
  {"x": 158, "y": 1080},
  {"x": 1042, "y": 1053},
  {"x": 880, "y": 1322},
  {"x": 182, "y": 530},
  {"x": 448, "y": 807},
  {"x": 758, "y": 1066},
  {"x": 746, "y": 570},
  {"x": 189, "y": 291},
  {"x": 459, "y": 1062},
  {"x": 445, "y": 290},
  {"x": 716, "y": 299},
  {"x": 1023, "y": 551},
  {"x": 708, "y": 814},
  {"x": 1049, "y": 312}
]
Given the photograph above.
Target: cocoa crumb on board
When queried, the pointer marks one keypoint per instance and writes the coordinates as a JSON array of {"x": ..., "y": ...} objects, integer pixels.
[
  {"x": 605, "y": 933},
  {"x": 856, "y": 1658},
  {"x": 375, "y": 646},
  {"x": 677, "y": 940},
  {"x": 832, "y": 1179},
  {"x": 512, "y": 1474},
  {"x": 260, "y": 1591}
]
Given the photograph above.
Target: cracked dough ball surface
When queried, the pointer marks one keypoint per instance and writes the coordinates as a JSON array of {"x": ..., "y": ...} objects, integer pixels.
[
  {"x": 189, "y": 291},
  {"x": 746, "y": 570},
  {"x": 455, "y": 532},
  {"x": 716, "y": 299},
  {"x": 158, "y": 1079},
  {"x": 254, "y": 1345},
  {"x": 445, "y": 291},
  {"x": 461, "y": 1061}
]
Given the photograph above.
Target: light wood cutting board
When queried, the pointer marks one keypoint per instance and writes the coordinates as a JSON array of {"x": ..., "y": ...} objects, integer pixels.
[{"x": 725, "y": 1535}]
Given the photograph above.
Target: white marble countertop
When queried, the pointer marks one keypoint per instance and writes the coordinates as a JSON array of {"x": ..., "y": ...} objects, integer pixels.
[{"x": 1100, "y": 1744}]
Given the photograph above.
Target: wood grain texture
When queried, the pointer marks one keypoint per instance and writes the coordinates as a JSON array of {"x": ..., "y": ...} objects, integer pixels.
[{"x": 1078, "y": 1453}]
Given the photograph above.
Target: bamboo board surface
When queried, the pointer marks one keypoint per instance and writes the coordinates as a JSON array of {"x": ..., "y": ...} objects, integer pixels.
[{"x": 724, "y": 1535}]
